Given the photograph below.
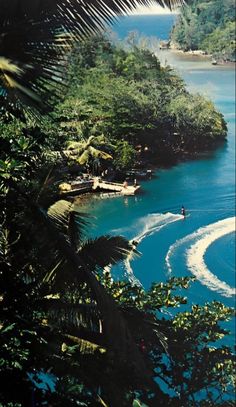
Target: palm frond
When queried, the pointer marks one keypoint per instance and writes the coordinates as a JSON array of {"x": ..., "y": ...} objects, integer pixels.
[
  {"x": 75, "y": 145},
  {"x": 103, "y": 404},
  {"x": 85, "y": 347},
  {"x": 83, "y": 158},
  {"x": 20, "y": 9},
  {"x": 69, "y": 221},
  {"x": 105, "y": 250},
  {"x": 96, "y": 153},
  {"x": 36, "y": 37},
  {"x": 32, "y": 65},
  {"x": 90, "y": 140},
  {"x": 51, "y": 274},
  {"x": 59, "y": 214},
  {"x": 76, "y": 319},
  {"x": 118, "y": 338},
  {"x": 101, "y": 140}
]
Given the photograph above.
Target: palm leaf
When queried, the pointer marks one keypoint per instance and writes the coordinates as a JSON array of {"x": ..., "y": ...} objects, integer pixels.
[
  {"x": 77, "y": 146},
  {"x": 102, "y": 141},
  {"x": 84, "y": 316},
  {"x": 105, "y": 250},
  {"x": 83, "y": 158},
  {"x": 85, "y": 347},
  {"x": 59, "y": 214},
  {"x": 36, "y": 37},
  {"x": 38, "y": 9},
  {"x": 103, "y": 404},
  {"x": 50, "y": 275},
  {"x": 81, "y": 320},
  {"x": 32, "y": 65},
  {"x": 96, "y": 153},
  {"x": 69, "y": 221},
  {"x": 90, "y": 141},
  {"x": 118, "y": 338}
]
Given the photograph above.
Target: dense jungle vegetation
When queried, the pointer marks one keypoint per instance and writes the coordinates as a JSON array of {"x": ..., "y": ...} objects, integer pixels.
[
  {"x": 136, "y": 102},
  {"x": 69, "y": 334},
  {"x": 208, "y": 25}
]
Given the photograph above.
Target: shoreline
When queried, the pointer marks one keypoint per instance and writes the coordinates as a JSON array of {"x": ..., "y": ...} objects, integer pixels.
[
  {"x": 85, "y": 199},
  {"x": 198, "y": 54}
]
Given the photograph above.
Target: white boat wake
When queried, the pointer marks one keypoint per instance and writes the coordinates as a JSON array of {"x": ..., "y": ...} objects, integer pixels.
[
  {"x": 153, "y": 222},
  {"x": 149, "y": 225},
  {"x": 203, "y": 238},
  {"x": 130, "y": 274}
]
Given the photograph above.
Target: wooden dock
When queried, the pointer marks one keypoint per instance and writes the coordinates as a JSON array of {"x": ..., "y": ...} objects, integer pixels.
[
  {"x": 98, "y": 184},
  {"x": 123, "y": 189}
]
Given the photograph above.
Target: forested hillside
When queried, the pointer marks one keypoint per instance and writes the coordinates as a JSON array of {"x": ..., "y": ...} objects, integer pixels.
[
  {"x": 207, "y": 25},
  {"x": 125, "y": 95}
]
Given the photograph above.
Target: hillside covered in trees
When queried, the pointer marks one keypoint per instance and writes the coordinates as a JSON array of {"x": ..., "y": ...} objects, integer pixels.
[
  {"x": 126, "y": 96},
  {"x": 208, "y": 25}
]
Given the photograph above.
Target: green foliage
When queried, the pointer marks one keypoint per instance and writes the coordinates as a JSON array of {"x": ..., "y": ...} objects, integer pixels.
[
  {"x": 55, "y": 312},
  {"x": 90, "y": 152},
  {"x": 196, "y": 122},
  {"x": 131, "y": 103},
  {"x": 183, "y": 351},
  {"x": 221, "y": 42},
  {"x": 124, "y": 155},
  {"x": 209, "y": 26},
  {"x": 200, "y": 369}
]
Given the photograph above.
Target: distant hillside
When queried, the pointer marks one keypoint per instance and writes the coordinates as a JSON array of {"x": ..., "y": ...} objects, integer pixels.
[{"x": 208, "y": 25}]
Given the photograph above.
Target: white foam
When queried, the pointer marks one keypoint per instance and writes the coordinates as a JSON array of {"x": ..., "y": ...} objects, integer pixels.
[
  {"x": 149, "y": 225},
  {"x": 130, "y": 274},
  {"x": 203, "y": 238},
  {"x": 153, "y": 222}
]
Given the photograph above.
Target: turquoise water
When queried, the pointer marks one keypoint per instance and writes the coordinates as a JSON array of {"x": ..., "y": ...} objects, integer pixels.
[
  {"x": 152, "y": 25},
  {"x": 206, "y": 187},
  {"x": 204, "y": 243}
]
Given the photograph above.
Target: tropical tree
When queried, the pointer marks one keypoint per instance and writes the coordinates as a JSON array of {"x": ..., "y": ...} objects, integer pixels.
[
  {"x": 196, "y": 122},
  {"x": 125, "y": 155},
  {"x": 89, "y": 152},
  {"x": 50, "y": 309}
]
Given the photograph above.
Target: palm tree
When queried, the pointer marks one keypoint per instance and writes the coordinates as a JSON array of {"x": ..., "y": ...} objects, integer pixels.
[
  {"x": 75, "y": 308},
  {"x": 36, "y": 38},
  {"x": 93, "y": 322},
  {"x": 89, "y": 152}
]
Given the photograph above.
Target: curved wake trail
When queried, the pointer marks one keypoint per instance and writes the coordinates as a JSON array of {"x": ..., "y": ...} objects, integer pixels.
[
  {"x": 150, "y": 224},
  {"x": 204, "y": 237},
  {"x": 130, "y": 274},
  {"x": 153, "y": 222}
]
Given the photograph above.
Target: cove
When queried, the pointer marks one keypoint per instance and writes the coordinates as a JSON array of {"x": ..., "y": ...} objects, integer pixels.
[{"x": 206, "y": 187}]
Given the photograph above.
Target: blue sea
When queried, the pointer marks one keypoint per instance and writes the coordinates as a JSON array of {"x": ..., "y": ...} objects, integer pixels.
[
  {"x": 203, "y": 244},
  {"x": 149, "y": 25}
]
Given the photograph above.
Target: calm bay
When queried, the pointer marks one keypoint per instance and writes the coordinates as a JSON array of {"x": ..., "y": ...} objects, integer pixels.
[{"x": 203, "y": 244}]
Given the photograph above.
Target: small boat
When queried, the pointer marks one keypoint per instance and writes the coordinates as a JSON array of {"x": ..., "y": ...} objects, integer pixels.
[{"x": 214, "y": 62}]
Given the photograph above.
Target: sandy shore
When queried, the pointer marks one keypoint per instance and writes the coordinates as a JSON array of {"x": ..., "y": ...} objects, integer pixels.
[
  {"x": 198, "y": 54},
  {"x": 180, "y": 60}
]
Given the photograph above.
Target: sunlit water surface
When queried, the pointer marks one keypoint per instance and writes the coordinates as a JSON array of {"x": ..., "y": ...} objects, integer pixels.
[{"x": 202, "y": 245}]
